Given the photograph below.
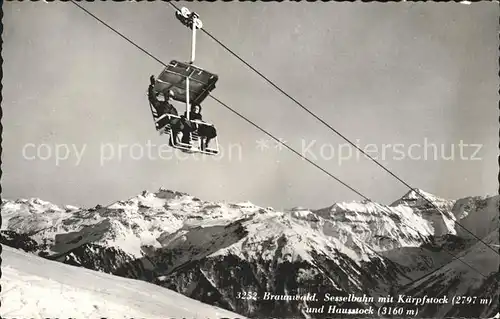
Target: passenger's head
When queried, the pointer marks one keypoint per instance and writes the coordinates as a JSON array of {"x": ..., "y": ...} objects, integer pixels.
[{"x": 197, "y": 109}]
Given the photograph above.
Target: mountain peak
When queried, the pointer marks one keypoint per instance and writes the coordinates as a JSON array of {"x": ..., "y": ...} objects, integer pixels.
[
  {"x": 416, "y": 192},
  {"x": 417, "y": 197}
]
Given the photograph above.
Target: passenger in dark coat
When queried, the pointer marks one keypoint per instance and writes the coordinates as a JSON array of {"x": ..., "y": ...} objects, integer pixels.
[
  {"x": 206, "y": 132},
  {"x": 159, "y": 101},
  {"x": 162, "y": 105},
  {"x": 187, "y": 126}
]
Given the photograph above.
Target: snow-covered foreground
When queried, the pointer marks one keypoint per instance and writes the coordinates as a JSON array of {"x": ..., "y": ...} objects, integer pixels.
[{"x": 33, "y": 287}]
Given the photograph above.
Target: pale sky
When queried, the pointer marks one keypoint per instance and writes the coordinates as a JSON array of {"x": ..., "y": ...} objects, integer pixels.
[{"x": 379, "y": 73}]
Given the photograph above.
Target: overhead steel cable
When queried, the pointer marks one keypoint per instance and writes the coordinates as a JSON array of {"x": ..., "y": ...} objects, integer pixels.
[
  {"x": 229, "y": 108},
  {"x": 251, "y": 122},
  {"x": 334, "y": 130},
  {"x": 288, "y": 147}
]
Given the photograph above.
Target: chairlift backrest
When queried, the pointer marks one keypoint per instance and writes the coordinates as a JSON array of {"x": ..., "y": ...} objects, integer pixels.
[{"x": 173, "y": 77}]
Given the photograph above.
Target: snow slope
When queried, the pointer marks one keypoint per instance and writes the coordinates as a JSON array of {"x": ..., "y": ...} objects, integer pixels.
[{"x": 33, "y": 287}]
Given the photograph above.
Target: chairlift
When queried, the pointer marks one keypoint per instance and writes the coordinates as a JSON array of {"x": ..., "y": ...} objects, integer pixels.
[{"x": 188, "y": 84}]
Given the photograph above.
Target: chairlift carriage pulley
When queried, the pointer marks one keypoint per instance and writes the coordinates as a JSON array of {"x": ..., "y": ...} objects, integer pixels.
[{"x": 189, "y": 84}]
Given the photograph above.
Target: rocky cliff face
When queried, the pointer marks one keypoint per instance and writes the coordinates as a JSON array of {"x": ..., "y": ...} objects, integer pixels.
[
  {"x": 469, "y": 283},
  {"x": 232, "y": 254}
]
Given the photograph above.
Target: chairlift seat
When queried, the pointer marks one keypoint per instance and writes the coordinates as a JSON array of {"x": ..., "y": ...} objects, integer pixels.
[{"x": 163, "y": 126}]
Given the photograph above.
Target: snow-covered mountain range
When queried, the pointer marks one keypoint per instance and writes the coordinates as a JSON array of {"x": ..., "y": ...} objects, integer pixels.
[{"x": 219, "y": 252}]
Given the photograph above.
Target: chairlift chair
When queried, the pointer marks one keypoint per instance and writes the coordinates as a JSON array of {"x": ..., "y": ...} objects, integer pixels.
[{"x": 190, "y": 85}]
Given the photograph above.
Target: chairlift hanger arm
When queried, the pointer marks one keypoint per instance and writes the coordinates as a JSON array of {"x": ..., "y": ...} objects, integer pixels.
[
  {"x": 192, "y": 21},
  {"x": 189, "y": 19}
]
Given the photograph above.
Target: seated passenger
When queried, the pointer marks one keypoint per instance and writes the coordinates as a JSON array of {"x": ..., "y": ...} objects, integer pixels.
[
  {"x": 187, "y": 127},
  {"x": 206, "y": 132},
  {"x": 159, "y": 101}
]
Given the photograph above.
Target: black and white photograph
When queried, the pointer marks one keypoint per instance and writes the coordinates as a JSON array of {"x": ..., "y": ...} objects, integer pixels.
[{"x": 250, "y": 159}]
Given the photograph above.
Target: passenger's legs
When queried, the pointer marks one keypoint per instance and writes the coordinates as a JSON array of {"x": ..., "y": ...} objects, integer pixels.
[
  {"x": 186, "y": 132},
  {"x": 207, "y": 133},
  {"x": 176, "y": 127},
  {"x": 210, "y": 133}
]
